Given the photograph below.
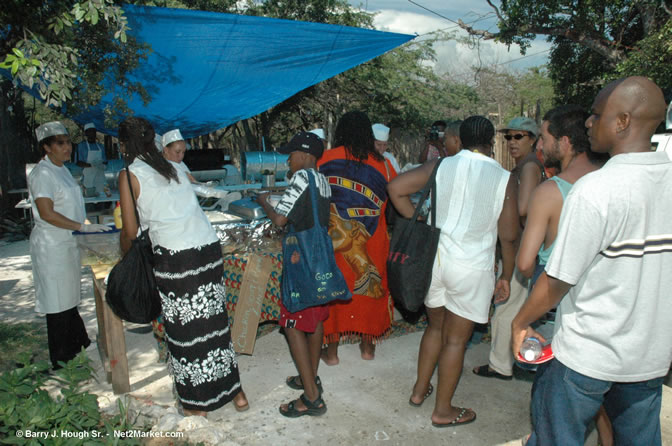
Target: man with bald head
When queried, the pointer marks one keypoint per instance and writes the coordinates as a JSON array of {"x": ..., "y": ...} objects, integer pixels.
[{"x": 610, "y": 273}]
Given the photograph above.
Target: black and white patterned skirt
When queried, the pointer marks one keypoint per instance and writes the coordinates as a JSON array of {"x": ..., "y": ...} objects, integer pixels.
[{"x": 202, "y": 361}]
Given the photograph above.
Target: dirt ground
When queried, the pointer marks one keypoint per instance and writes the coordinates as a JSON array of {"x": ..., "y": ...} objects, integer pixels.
[{"x": 367, "y": 400}]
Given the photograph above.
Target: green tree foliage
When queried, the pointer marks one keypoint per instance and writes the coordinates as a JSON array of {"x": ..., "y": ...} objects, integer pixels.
[
  {"x": 64, "y": 48},
  {"x": 593, "y": 41}
]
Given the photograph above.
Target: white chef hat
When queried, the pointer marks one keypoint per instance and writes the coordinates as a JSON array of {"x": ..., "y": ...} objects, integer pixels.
[
  {"x": 157, "y": 142},
  {"x": 380, "y": 132},
  {"x": 50, "y": 129},
  {"x": 171, "y": 136},
  {"x": 318, "y": 132},
  {"x": 89, "y": 125}
]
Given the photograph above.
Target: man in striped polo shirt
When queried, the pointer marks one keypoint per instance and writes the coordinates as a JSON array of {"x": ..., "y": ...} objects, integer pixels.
[{"x": 610, "y": 273}]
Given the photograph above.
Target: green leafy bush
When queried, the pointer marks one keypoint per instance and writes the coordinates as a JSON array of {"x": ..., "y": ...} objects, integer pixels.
[{"x": 71, "y": 418}]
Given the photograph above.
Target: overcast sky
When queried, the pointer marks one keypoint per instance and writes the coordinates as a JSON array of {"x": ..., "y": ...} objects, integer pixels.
[{"x": 402, "y": 16}]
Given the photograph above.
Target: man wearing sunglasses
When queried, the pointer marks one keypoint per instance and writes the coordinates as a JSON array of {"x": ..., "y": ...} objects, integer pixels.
[{"x": 520, "y": 135}]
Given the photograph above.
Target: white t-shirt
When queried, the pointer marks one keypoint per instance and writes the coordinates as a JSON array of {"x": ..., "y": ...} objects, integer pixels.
[
  {"x": 171, "y": 209},
  {"x": 471, "y": 189},
  {"x": 614, "y": 245}
]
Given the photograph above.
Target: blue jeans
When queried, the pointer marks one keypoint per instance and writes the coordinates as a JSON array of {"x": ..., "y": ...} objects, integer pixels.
[{"x": 564, "y": 403}]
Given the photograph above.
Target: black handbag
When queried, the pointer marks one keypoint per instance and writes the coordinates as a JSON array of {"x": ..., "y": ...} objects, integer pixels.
[
  {"x": 412, "y": 252},
  {"x": 132, "y": 293}
]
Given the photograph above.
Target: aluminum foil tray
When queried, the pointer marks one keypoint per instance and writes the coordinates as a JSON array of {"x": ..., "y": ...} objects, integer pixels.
[{"x": 247, "y": 209}]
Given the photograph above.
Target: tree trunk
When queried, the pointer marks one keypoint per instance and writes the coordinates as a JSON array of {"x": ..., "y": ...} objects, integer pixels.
[
  {"x": 249, "y": 136},
  {"x": 17, "y": 147}
]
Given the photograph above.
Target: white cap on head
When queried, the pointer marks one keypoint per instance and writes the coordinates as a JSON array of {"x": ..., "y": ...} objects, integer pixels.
[
  {"x": 171, "y": 136},
  {"x": 157, "y": 142},
  {"x": 318, "y": 132},
  {"x": 89, "y": 125},
  {"x": 50, "y": 129},
  {"x": 380, "y": 132}
]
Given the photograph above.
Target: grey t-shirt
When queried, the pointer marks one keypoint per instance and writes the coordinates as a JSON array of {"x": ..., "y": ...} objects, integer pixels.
[{"x": 614, "y": 245}]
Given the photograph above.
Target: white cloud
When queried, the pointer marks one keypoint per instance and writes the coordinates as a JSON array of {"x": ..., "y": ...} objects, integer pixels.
[{"x": 457, "y": 58}]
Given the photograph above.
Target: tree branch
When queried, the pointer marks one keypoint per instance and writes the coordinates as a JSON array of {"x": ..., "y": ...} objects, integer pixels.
[
  {"x": 600, "y": 45},
  {"x": 499, "y": 15},
  {"x": 487, "y": 35},
  {"x": 663, "y": 3}
]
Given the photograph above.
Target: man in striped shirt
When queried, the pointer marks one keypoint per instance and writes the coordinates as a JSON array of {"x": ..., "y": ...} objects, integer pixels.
[{"x": 610, "y": 273}]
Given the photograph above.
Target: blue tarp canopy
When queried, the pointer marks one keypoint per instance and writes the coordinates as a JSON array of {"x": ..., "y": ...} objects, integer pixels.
[{"x": 209, "y": 70}]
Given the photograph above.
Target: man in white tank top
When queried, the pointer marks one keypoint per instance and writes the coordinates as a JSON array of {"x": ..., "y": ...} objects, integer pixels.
[{"x": 475, "y": 204}]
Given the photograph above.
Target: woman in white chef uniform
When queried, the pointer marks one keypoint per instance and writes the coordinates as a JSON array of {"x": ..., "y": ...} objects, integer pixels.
[
  {"x": 174, "y": 147},
  {"x": 58, "y": 209}
]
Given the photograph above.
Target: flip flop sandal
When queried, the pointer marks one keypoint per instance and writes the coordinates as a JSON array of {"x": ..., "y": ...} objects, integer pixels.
[
  {"x": 485, "y": 372},
  {"x": 455, "y": 421},
  {"x": 293, "y": 382},
  {"x": 313, "y": 409},
  {"x": 430, "y": 389}
]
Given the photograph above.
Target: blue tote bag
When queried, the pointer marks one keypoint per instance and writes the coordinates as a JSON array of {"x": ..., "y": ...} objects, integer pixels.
[{"x": 310, "y": 276}]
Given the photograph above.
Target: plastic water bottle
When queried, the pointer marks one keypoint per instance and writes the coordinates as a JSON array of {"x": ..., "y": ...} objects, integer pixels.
[{"x": 531, "y": 349}]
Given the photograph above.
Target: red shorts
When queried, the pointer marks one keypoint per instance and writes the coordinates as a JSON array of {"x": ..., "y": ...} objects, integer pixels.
[{"x": 304, "y": 320}]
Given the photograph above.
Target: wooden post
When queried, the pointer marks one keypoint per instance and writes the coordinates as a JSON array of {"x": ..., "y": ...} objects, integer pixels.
[{"x": 111, "y": 337}]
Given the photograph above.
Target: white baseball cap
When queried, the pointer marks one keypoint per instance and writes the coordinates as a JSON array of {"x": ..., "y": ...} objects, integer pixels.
[
  {"x": 318, "y": 132},
  {"x": 171, "y": 136},
  {"x": 50, "y": 129},
  {"x": 380, "y": 132},
  {"x": 89, "y": 125}
]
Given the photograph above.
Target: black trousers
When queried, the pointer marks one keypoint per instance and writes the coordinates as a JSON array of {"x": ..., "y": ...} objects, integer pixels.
[{"x": 66, "y": 335}]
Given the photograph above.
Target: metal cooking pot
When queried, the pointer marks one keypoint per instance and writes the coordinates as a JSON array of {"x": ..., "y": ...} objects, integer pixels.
[{"x": 253, "y": 164}]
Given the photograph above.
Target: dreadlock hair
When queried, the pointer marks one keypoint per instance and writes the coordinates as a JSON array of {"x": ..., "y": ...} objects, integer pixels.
[
  {"x": 353, "y": 131},
  {"x": 476, "y": 131},
  {"x": 137, "y": 134}
]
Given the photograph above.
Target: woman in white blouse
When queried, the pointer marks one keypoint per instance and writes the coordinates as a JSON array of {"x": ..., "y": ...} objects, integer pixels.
[{"x": 188, "y": 267}]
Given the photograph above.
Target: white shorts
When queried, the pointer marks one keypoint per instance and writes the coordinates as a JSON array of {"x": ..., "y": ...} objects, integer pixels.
[{"x": 464, "y": 291}]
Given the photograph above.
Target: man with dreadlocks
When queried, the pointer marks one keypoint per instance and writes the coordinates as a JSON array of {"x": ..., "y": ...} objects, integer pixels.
[{"x": 358, "y": 176}]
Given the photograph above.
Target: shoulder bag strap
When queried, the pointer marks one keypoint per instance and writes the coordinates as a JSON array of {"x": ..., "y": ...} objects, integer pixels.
[
  {"x": 430, "y": 186},
  {"x": 312, "y": 190},
  {"x": 434, "y": 190},
  {"x": 135, "y": 205}
]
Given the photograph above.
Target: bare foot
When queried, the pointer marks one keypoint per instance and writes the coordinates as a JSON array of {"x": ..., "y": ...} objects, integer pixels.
[
  {"x": 195, "y": 413},
  {"x": 328, "y": 359},
  {"x": 367, "y": 350},
  {"x": 240, "y": 402}
]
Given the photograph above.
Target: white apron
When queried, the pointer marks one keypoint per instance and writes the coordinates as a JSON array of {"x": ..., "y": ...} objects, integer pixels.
[
  {"x": 53, "y": 251},
  {"x": 94, "y": 176}
]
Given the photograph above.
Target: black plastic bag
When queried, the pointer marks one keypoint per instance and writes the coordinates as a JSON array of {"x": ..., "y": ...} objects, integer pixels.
[{"x": 131, "y": 287}]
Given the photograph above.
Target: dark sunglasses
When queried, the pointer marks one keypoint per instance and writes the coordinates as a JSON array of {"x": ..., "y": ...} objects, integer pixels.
[{"x": 517, "y": 137}]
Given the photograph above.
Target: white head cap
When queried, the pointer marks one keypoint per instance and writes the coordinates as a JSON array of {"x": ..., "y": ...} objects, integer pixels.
[
  {"x": 318, "y": 132},
  {"x": 89, "y": 125},
  {"x": 50, "y": 129},
  {"x": 380, "y": 132},
  {"x": 171, "y": 136},
  {"x": 157, "y": 142}
]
